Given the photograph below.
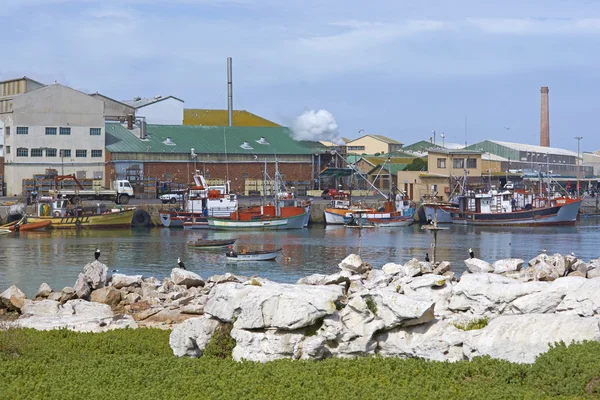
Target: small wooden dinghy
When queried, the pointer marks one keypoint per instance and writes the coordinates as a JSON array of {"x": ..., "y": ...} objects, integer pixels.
[
  {"x": 202, "y": 243},
  {"x": 258, "y": 255}
]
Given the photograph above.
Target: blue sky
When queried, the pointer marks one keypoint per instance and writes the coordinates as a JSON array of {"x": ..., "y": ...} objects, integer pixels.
[{"x": 397, "y": 68}]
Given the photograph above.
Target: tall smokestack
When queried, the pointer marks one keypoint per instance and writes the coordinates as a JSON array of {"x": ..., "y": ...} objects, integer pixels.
[
  {"x": 229, "y": 93},
  {"x": 545, "y": 119}
]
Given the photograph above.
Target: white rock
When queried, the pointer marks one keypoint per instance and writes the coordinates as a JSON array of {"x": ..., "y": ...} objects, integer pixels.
[
  {"x": 543, "y": 271},
  {"x": 376, "y": 278},
  {"x": 268, "y": 345},
  {"x": 484, "y": 294},
  {"x": 521, "y": 338},
  {"x": 82, "y": 287},
  {"x": 228, "y": 277},
  {"x": 507, "y": 265},
  {"x": 475, "y": 265},
  {"x": 12, "y": 298},
  {"x": 349, "y": 332},
  {"x": 96, "y": 274},
  {"x": 435, "y": 340},
  {"x": 396, "y": 309},
  {"x": 190, "y": 337},
  {"x": 106, "y": 295},
  {"x": 272, "y": 305},
  {"x": 131, "y": 298},
  {"x": 321, "y": 279},
  {"x": 354, "y": 264},
  {"x": 187, "y": 278},
  {"x": 392, "y": 268},
  {"x": 120, "y": 281},
  {"x": 411, "y": 268},
  {"x": 426, "y": 267},
  {"x": 584, "y": 301},
  {"x": 443, "y": 267},
  {"x": 44, "y": 290},
  {"x": 548, "y": 299},
  {"x": 432, "y": 288},
  {"x": 75, "y": 315}
]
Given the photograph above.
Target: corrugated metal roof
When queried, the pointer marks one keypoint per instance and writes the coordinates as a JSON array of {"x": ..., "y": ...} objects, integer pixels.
[
  {"x": 207, "y": 139},
  {"x": 536, "y": 149},
  {"x": 378, "y": 137},
  {"x": 140, "y": 102},
  {"x": 452, "y": 151},
  {"x": 393, "y": 160},
  {"x": 421, "y": 146},
  {"x": 390, "y": 167},
  {"x": 211, "y": 117}
]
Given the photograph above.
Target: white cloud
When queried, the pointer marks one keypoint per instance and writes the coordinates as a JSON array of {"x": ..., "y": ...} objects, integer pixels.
[{"x": 531, "y": 26}]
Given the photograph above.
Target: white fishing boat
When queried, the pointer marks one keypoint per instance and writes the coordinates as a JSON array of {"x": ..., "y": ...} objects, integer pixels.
[{"x": 256, "y": 255}]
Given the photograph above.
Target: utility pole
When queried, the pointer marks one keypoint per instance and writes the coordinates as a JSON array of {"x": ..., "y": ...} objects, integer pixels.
[{"x": 578, "y": 166}]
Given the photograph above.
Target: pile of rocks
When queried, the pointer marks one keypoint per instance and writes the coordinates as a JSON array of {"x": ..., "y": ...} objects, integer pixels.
[{"x": 415, "y": 309}]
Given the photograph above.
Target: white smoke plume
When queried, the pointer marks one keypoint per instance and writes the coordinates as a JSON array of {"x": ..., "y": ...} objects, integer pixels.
[{"x": 316, "y": 125}]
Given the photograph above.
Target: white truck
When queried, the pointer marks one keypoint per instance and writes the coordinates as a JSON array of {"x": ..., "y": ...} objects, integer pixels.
[{"x": 120, "y": 192}]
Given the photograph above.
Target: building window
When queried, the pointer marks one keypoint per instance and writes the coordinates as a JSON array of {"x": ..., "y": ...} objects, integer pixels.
[
  {"x": 7, "y": 149},
  {"x": 441, "y": 162},
  {"x": 458, "y": 163},
  {"x": 22, "y": 130},
  {"x": 65, "y": 130},
  {"x": 50, "y": 152},
  {"x": 65, "y": 153},
  {"x": 37, "y": 152},
  {"x": 22, "y": 152},
  {"x": 8, "y": 130},
  {"x": 96, "y": 153},
  {"x": 471, "y": 163},
  {"x": 80, "y": 153},
  {"x": 356, "y": 147},
  {"x": 95, "y": 132},
  {"x": 50, "y": 131}
]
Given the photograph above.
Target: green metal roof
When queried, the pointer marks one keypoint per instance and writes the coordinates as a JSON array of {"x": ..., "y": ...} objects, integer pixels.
[
  {"x": 207, "y": 139},
  {"x": 337, "y": 172},
  {"x": 392, "y": 168},
  {"x": 423, "y": 145}
]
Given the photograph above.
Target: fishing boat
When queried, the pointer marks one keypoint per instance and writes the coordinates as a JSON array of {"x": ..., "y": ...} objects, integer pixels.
[
  {"x": 256, "y": 255},
  {"x": 30, "y": 226},
  {"x": 203, "y": 243},
  {"x": 200, "y": 202},
  {"x": 4, "y": 231},
  {"x": 392, "y": 222},
  {"x": 519, "y": 207},
  {"x": 340, "y": 211},
  {"x": 273, "y": 216},
  {"x": 393, "y": 214},
  {"x": 62, "y": 216}
]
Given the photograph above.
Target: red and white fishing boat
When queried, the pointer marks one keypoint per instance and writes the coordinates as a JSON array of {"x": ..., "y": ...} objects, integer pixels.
[{"x": 201, "y": 201}]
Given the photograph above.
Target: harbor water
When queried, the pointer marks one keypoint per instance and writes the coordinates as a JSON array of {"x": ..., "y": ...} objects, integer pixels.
[{"x": 57, "y": 257}]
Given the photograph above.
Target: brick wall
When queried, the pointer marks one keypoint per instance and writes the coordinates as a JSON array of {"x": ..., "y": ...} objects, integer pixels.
[{"x": 238, "y": 173}]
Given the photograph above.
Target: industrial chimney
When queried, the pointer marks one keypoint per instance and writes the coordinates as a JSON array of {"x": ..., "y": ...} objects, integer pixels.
[
  {"x": 229, "y": 92},
  {"x": 545, "y": 119}
]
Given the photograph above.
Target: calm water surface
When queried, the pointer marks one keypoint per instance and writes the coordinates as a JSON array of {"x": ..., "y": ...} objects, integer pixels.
[{"x": 57, "y": 257}]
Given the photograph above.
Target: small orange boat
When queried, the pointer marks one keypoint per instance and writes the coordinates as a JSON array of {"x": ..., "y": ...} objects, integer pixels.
[{"x": 32, "y": 226}]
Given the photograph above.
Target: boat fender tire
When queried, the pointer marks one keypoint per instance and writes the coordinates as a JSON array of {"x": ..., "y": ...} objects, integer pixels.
[
  {"x": 141, "y": 218},
  {"x": 56, "y": 214},
  {"x": 78, "y": 223}
]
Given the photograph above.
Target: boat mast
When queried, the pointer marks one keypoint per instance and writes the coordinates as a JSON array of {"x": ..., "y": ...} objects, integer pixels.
[
  {"x": 265, "y": 183},
  {"x": 276, "y": 188}
]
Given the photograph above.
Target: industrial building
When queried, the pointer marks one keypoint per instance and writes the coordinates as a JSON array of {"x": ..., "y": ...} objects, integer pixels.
[
  {"x": 169, "y": 153},
  {"x": 372, "y": 144},
  {"x": 205, "y": 117},
  {"x": 164, "y": 110},
  {"x": 52, "y": 127}
]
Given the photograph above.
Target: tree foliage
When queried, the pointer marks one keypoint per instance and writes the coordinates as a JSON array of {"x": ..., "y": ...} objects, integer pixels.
[{"x": 418, "y": 164}]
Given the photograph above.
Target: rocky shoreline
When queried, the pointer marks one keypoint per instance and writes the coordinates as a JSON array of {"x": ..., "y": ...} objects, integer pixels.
[{"x": 412, "y": 310}]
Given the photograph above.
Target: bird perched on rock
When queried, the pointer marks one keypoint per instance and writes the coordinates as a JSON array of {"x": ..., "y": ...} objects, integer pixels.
[
  {"x": 97, "y": 254},
  {"x": 427, "y": 257},
  {"x": 180, "y": 263},
  {"x": 471, "y": 253}
]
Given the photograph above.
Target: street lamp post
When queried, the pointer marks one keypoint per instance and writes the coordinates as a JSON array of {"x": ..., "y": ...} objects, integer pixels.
[{"x": 578, "y": 140}]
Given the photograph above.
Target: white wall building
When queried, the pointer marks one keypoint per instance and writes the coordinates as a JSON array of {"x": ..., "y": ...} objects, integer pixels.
[
  {"x": 54, "y": 127},
  {"x": 167, "y": 110}
]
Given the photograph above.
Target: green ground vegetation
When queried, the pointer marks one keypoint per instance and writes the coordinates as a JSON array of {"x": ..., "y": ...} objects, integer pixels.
[{"x": 138, "y": 364}]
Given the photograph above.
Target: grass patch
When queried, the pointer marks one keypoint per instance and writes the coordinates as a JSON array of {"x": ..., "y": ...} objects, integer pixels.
[
  {"x": 255, "y": 282},
  {"x": 138, "y": 364},
  {"x": 371, "y": 304},
  {"x": 473, "y": 324}
]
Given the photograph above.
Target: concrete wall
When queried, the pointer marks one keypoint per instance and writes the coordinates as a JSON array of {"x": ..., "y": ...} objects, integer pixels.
[
  {"x": 53, "y": 106},
  {"x": 114, "y": 110},
  {"x": 164, "y": 112}
]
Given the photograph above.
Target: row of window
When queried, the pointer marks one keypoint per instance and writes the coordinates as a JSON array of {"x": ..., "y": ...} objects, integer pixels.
[
  {"x": 458, "y": 163},
  {"x": 24, "y": 152},
  {"x": 63, "y": 130}
]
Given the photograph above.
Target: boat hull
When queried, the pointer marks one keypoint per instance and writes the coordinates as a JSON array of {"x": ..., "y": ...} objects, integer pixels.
[
  {"x": 335, "y": 216},
  {"x": 121, "y": 219},
  {"x": 444, "y": 216},
  {"x": 32, "y": 226},
  {"x": 293, "y": 222},
  {"x": 253, "y": 256},
  {"x": 565, "y": 214},
  {"x": 203, "y": 244}
]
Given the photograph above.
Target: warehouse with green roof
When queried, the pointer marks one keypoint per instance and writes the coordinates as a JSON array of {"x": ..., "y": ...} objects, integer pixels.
[{"x": 173, "y": 152}]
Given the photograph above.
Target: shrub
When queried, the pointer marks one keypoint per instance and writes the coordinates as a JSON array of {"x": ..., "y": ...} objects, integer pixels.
[
  {"x": 473, "y": 324},
  {"x": 13, "y": 341},
  {"x": 221, "y": 343},
  {"x": 371, "y": 304}
]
